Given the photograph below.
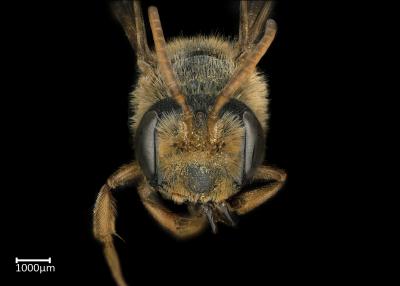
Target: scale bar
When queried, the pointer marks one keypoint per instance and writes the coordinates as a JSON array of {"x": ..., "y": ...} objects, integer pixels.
[{"x": 32, "y": 260}]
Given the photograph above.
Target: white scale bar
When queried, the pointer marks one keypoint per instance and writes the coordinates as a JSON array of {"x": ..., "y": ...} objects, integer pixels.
[{"x": 32, "y": 260}]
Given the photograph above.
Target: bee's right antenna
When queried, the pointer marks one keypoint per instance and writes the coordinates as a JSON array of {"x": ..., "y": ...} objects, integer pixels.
[
  {"x": 242, "y": 74},
  {"x": 166, "y": 68}
]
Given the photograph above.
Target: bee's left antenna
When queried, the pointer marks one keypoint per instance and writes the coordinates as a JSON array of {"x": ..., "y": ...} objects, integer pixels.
[{"x": 242, "y": 74}]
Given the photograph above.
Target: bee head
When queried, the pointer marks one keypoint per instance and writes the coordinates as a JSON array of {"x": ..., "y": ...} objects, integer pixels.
[{"x": 189, "y": 167}]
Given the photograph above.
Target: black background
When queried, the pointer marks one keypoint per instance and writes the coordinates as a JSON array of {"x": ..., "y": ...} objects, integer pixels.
[{"x": 69, "y": 71}]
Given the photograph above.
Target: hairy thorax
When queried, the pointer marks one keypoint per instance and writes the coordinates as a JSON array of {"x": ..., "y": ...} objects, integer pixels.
[{"x": 203, "y": 66}]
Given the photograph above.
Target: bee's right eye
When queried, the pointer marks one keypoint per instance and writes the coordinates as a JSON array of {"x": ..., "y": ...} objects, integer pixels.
[{"x": 146, "y": 149}]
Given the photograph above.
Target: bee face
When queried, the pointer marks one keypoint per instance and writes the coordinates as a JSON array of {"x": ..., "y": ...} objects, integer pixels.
[{"x": 187, "y": 167}]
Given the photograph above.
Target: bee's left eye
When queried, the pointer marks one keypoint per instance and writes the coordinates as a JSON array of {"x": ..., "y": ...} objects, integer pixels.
[{"x": 146, "y": 149}]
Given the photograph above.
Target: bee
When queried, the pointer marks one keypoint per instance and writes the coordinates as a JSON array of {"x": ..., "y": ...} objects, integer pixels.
[{"x": 199, "y": 125}]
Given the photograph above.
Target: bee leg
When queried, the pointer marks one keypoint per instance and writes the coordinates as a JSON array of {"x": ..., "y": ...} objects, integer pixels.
[
  {"x": 104, "y": 214},
  {"x": 249, "y": 200},
  {"x": 178, "y": 225}
]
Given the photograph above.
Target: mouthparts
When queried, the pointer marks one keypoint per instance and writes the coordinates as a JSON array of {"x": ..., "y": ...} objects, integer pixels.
[{"x": 217, "y": 213}]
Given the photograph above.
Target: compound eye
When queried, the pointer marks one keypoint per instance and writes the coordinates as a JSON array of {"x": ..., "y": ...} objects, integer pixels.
[
  {"x": 253, "y": 153},
  {"x": 146, "y": 144}
]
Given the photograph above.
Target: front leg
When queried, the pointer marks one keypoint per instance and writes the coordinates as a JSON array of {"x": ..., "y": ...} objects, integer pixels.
[
  {"x": 249, "y": 200},
  {"x": 104, "y": 214},
  {"x": 178, "y": 225}
]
